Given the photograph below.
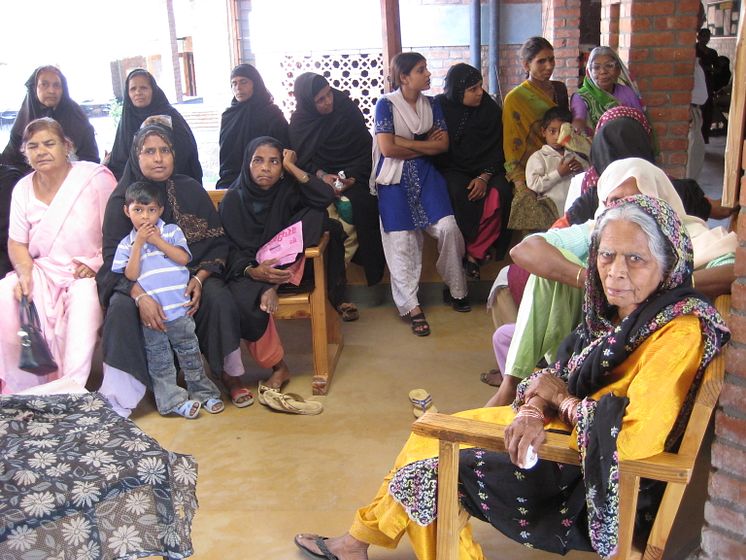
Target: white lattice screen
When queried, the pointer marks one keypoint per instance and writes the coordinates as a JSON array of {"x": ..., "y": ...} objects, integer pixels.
[{"x": 359, "y": 74}]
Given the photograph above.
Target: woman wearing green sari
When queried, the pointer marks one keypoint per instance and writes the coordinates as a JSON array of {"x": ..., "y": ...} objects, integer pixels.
[
  {"x": 525, "y": 106},
  {"x": 607, "y": 84}
]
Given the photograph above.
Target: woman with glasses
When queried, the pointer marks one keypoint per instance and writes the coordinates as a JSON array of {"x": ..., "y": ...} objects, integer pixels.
[
  {"x": 154, "y": 157},
  {"x": 607, "y": 84}
]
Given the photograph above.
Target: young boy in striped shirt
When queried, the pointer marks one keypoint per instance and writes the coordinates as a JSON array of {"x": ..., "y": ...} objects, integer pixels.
[{"x": 155, "y": 254}]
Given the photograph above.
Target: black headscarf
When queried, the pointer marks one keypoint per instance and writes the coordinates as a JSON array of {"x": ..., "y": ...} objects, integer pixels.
[
  {"x": 242, "y": 122},
  {"x": 622, "y": 132},
  {"x": 68, "y": 113},
  {"x": 334, "y": 142},
  {"x": 132, "y": 118},
  {"x": 252, "y": 215},
  {"x": 476, "y": 133},
  {"x": 187, "y": 205}
]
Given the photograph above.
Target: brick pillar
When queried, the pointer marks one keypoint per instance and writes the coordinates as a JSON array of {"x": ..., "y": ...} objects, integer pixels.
[
  {"x": 656, "y": 38},
  {"x": 562, "y": 26},
  {"x": 724, "y": 533}
]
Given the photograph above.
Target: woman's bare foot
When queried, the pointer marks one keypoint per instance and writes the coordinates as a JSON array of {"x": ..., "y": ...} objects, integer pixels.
[
  {"x": 345, "y": 547},
  {"x": 280, "y": 375}
]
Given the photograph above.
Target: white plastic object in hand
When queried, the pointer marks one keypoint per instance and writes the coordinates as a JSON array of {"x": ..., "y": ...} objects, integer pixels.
[
  {"x": 530, "y": 460},
  {"x": 338, "y": 184}
]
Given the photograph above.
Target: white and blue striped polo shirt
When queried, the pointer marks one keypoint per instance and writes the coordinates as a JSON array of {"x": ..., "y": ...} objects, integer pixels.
[{"x": 160, "y": 277}]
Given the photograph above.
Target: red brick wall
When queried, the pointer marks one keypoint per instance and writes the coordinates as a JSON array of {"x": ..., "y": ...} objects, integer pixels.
[
  {"x": 440, "y": 59},
  {"x": 563, "y": 31},
  {"x": 724, "y": 533},
  {"x": 659, "y": 37}
]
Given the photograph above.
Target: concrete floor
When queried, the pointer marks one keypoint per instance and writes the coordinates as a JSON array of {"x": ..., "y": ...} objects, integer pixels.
[{"x": 264, "y": 476}]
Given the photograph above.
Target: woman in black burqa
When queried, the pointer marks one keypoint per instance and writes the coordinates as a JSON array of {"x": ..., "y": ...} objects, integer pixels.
[
  {"x": 143, "y": 98},
  {"x": 252, "y": 114},
  {"x": 270, "y": 194},
  {"x": 474, "y": 165},
  {"x": 328, "y": 132},
  {"x": 47, "y": 95},
  {"x": 187, "y": 205}
]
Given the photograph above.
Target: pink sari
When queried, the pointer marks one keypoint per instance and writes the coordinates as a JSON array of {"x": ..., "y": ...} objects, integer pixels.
[{"x": 66, "y": 232}]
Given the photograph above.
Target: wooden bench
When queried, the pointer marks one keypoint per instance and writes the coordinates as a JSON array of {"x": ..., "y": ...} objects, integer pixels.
[
  {"x": 675, "y": 469},
  {"x": 326, "y": 329}
]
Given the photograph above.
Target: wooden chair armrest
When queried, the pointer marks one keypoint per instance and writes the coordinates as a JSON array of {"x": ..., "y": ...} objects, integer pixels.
[
  {"x": 316, "y": 250},
  {"x": 668, "y": 467}
]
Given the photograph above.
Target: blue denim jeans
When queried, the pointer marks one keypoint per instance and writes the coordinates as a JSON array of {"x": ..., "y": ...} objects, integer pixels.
[{"x": 159, "y": 348}]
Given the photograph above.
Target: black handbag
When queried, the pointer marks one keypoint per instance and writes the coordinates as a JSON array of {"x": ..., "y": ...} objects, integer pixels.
[{"x": 35, "y": 355}]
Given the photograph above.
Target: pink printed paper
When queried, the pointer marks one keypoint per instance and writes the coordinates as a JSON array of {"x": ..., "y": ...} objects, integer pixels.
[{"x": 284, "y": 246}]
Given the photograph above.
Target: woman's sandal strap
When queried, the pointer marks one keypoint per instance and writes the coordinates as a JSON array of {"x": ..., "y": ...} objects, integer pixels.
[
  {"x": 419, "y": 324},
  {"x": 422, "y": 404},
  {"x": 324, "y": 549}
]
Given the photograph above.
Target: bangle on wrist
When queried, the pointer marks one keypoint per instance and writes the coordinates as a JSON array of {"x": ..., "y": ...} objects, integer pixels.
[
  {"x": 567, "y": 409},
  {"x": 252, "y": 264},
  {"x": 198, "y": 280},
  {"x": 138, "y": 298},
  {"x": 577, "y": 278},
  {"x": 531, "y": 411},
  {"x": 481, "y": 179}
]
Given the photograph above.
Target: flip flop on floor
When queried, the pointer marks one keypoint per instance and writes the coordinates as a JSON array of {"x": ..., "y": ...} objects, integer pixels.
[
  {"x": 288, "y": 402},
  {"x": 420, "y": 326},
  {"x": 492, "y": 377},
  {"x": 188, "y": 409},
  {"x": 240, "y": 396},
  {"x": 320, "y": 542},
  {"x": 213, "y": 406},
  {"x": 348, "y": 312},
  {"x": 421, "y": 401}
]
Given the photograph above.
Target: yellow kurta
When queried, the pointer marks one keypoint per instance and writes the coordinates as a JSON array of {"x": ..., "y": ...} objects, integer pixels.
[
  {"x": 656, "y": 378},
  {"x": 523, "y": 110}
]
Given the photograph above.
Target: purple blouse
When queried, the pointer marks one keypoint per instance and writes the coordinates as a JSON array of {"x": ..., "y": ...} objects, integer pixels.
[{"x": 625, "y": 95}]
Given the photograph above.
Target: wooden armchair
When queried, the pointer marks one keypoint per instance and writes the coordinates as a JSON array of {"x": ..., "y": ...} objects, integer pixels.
[
  {"x": 675, "y": 469},
  {"x": 326, "y": 330}
]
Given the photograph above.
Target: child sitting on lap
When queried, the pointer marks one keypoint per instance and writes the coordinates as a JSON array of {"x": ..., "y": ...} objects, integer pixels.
[
  {"x": 550, "y": 169},
  {"x": 154, "y": 255}
]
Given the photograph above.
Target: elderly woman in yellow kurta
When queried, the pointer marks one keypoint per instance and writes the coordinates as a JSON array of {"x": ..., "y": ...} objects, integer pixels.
[{"x": 622, "y": 388}]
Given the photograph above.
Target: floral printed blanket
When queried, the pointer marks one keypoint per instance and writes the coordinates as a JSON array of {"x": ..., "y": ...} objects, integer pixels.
[{"x": 77, "y": 481}]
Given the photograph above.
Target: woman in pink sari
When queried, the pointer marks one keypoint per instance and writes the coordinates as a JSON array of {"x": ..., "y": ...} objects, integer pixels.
[{"x": 54, "y": 244}]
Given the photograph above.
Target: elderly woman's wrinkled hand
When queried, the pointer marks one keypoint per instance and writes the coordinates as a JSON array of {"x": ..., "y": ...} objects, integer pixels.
[
  {"x": 265, "y": 272},
  {"x": 548, "y": 387},
  {"x": 151, "y": 314},
  {"x": 522, "y": 432},
  {"x": 194, "y": 293}
]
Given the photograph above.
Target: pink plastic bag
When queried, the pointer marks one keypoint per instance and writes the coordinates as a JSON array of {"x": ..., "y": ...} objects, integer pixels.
[{"x": 285, "y": 246}]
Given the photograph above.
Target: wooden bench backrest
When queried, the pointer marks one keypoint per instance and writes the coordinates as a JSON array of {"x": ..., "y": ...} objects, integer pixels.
[{"x": 216, "y": 196}]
